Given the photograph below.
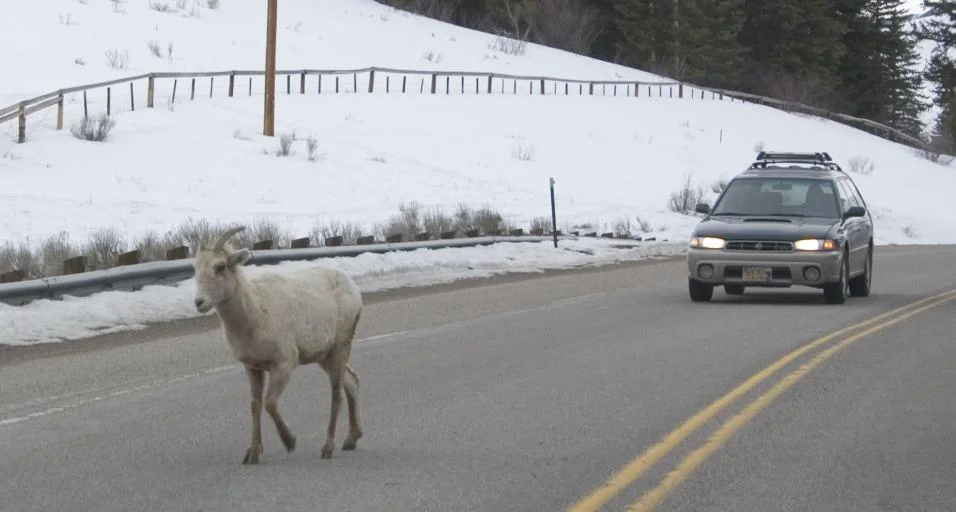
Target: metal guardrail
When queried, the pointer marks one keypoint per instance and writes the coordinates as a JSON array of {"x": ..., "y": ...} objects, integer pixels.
[{"x": 134, "y": 277}]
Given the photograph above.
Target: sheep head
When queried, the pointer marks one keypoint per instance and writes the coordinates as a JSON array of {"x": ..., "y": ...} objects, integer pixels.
[{"x": 216, "y": 271}]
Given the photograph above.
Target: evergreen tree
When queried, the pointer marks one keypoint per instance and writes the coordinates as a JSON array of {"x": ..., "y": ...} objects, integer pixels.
[
  {"x": 707, "y": 42},
  {"x": 880, "y": 79},
  {"x": 606, "y": 46},
  {"x": 647, "y": 35},
  {"x": 795, "y": 47},
  {"x": 941, "y": 29},
  {"x": 905, "y": 103}
]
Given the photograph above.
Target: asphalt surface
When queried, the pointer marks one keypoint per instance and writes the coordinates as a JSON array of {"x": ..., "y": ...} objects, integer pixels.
[{"x": 522, "y": 395}]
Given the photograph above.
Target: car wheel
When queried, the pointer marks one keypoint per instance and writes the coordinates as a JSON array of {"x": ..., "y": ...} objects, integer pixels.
[
  {"x": 836, "y": 293},
  {"x": 734, "y": 289},
  {"x": 860, "y": 285},
  {"x": 699, "y": 292}
]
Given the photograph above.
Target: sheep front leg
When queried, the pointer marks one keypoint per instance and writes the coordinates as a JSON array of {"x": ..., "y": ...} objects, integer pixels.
[
  {"x": 256, "y": 383},
  {"x": 278, "y": 380}
]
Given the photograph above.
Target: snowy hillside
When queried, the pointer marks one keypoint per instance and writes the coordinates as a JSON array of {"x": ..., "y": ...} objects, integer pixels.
[
  {"x": 614, "y": 158},
  {"x": 70, "y": 39}
]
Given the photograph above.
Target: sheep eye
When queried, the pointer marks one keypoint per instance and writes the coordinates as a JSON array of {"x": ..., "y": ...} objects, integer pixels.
[{"x": 219, "y": 268}]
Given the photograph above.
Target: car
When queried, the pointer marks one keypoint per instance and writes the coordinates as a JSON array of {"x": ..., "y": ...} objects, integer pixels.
[{"x": 789, "y": 219}]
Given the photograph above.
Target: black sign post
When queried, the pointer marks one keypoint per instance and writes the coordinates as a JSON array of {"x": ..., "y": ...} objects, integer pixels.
[{"x": 554, "y": 216}]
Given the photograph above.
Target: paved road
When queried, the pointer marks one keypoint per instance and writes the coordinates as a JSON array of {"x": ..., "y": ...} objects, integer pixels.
[{"x": 524, "y": 395}]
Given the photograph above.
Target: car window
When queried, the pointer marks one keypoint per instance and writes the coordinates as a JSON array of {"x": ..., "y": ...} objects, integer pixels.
[
  {"x": 779, "y": 196},
  {"x": 848, "y": 198},
  {"x": 851, "y": 186}
]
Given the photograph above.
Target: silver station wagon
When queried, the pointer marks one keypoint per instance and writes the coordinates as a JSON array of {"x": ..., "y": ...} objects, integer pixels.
[{"x": 789, "y": 219}]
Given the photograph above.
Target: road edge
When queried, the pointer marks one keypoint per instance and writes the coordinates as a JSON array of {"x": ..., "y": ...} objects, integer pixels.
[{"x": 15, "y": 354}]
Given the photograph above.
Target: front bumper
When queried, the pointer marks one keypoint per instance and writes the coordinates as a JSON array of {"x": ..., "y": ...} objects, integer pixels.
[{"x": 783, "y": 269}]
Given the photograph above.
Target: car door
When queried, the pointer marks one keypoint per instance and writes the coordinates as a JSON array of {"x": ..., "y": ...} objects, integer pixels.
[
  {"x": 855, "y": 227},
  {"x": 868, "y": 219}
]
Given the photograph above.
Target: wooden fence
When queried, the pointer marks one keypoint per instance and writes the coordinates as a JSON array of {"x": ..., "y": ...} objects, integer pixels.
[{"x": 121, "y": 94}]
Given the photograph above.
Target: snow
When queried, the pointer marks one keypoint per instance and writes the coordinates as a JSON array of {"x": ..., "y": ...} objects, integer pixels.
[
  {"x": 120, "y": 311},
  {"x": 611, "y": 156},
  {"x": 331, "y": 34}
]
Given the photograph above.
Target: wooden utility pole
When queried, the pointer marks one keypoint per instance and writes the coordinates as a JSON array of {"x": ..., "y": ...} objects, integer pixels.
[{"x": 269, "y": 116}]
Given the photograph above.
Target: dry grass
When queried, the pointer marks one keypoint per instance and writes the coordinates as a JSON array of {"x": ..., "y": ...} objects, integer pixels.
[
  {"x": 95, "y": 129},
  {"x": 104, "y": 247},
  {"x": 685, "y": 200}
]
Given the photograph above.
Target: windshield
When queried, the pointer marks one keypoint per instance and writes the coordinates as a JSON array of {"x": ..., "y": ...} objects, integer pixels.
[{"x": 799, "y": 197}]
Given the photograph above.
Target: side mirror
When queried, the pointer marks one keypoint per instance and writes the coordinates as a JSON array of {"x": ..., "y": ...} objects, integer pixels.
[
  {"x": 855, "y": 211},
  {"x": 703, "y": 208}
]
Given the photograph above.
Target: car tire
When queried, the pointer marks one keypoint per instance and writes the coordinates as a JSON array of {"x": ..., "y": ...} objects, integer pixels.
[
  {"x": 699, "y": 291},
  {"x": 860, "y": 285},
  {"x": 734, "y": 289},
  {"x": 836, "y": 293}
]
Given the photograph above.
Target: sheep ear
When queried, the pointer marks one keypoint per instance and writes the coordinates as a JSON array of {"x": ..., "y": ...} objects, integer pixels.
[{"x": 238, "y": 257}]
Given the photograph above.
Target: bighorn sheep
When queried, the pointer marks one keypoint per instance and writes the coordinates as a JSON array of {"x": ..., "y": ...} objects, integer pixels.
[{"x": 274, "y": 323}]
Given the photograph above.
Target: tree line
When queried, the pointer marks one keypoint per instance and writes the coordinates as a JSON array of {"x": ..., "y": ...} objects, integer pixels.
[{"x": 858, "y": 57}]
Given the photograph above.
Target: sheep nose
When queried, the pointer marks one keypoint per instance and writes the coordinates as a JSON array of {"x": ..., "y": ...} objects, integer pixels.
[{"x": 198, "y": 302}]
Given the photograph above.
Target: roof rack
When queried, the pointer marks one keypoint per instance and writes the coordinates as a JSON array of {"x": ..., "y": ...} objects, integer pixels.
[{"x": 820, "y": 158}]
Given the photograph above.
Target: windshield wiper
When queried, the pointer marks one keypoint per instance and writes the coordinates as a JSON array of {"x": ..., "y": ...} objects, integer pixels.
[{"x": 729, "y": 213}]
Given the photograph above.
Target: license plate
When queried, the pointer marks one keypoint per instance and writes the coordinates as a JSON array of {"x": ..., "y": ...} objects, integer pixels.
[{"x": 757, "y": 274}]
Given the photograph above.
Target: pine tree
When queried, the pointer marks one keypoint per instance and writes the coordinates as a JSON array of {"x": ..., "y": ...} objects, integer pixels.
[
  {"x": 941, "y": 70},
  {"x": 880, "y": 79},
  {"x": 707, "y": 41},
  {"x": 905, "y": 102},
  {"x": 647, "y": 35},
  {"x": 795, "y": 47}
]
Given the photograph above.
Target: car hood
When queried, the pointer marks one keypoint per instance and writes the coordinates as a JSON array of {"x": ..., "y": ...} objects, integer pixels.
[{"x": 765, "y": 228}]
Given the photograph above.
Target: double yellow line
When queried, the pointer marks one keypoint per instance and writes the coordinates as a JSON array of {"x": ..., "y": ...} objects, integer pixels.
[{"x": 637, "y": 467}]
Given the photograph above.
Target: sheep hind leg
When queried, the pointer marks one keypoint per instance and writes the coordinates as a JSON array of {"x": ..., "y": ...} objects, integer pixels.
[
  {"x": 336, "y": 370},
  {"x": 256, "y": 384},
  {"x": 278, "y": 380},
  {"x": 351, "y": 384}
]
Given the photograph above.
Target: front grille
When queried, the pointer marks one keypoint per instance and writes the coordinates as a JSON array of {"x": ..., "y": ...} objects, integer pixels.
[{"x": 758, "y": 246}]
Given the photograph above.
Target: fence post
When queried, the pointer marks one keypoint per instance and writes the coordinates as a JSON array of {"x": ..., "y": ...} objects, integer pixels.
[
  {"x": 591, "y": 88},
  {"x": 371, "y": 80},
  {"x": 490, "y": 77},
  {"x": 680, "y": 90},
  {"x": 302, "y": 83},
  {"x": 150, "y": 90},
  {"x": 22, "y": 124},
  {"x": 109, "y": 101},
  {"x": 434, "y": 82},
  {"x": 542, "y": 86},
  {"x": 59, "y": 112},
  {"x": 132, "y": 98},
  {"x": 75, "y": 265},
  {"x": 232, "y": 83}
]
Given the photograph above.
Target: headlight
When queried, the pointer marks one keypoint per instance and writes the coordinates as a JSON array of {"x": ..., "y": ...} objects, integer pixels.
[
  {"x": 707, "y": 242},
  {"x": 814, "y": 245}
]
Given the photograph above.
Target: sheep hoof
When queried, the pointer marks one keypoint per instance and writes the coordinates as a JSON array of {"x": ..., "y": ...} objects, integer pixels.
[
  {"x": 289, "y": 443},
  {"x": 350, "y": 443},
  {"x": 327, "y": 451},
  {"x": 252, "y": 456}
]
